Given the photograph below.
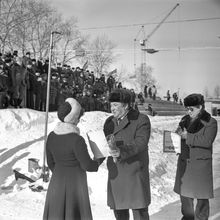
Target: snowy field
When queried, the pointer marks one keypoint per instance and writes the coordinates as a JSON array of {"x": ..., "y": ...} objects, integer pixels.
[{"x": 22, "y": 137}]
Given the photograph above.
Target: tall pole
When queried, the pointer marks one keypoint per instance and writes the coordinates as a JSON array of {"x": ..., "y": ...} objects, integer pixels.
[{"x": 47, "y": 105}]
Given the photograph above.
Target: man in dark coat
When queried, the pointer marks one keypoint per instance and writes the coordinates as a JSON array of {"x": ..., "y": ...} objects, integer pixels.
[
  {"x": 128, "y": 178},
  {"x": 194, "y": 178}
]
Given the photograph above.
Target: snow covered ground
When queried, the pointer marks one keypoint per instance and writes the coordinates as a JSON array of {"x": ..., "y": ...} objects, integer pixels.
[{"x": 22, "y": 137}]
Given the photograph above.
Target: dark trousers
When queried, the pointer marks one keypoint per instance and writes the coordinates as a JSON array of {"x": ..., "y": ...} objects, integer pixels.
[
  {"x": 200, "y": 212},
  {"x": 138, "y": 214}
]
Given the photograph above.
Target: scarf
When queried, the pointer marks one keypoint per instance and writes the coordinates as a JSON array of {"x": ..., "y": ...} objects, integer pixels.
[{"x": 66, "y": 128}]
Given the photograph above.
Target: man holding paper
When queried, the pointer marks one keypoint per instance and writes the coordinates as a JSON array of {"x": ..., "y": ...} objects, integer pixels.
[{"x": 128, "y": 133}]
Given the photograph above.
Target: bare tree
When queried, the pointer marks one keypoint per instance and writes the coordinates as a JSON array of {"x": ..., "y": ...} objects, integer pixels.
[
  {"x": 27, "y": 25},
  {"x": 217, "y": 91},
  {"x": 100, "y": 54},
  {"x": 6, "y": 21},
  {"x": 33, "y": 33},
  {"x": 70, "y": 41},
  {"x": 144, "y": 76},
  {"x": 206, "y": 92}
]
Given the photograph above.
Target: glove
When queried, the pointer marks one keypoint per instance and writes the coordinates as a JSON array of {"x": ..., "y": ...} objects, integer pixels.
[{"x": 100, "y": 160}]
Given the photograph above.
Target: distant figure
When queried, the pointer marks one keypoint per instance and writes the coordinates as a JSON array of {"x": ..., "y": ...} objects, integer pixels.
[
  {"x": 145, "y": 91},
  {"x": 150, "y": 92},
  {"x": 150, "y": 110},
  {"x": 175, "y": 97},
  {"x": 133, "y": 97},
  {"x": 180, "y": 102},
  {"x": 110, "y": 83},
  {"x": 141, "y": 98},
  {"x": 168, "y": 95},
  {"x": 119, "y": 85},
  {"x": 154, "y": 92}
]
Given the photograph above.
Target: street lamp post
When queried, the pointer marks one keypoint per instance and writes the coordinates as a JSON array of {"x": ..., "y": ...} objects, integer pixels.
[{"x": 47, "y": 102}]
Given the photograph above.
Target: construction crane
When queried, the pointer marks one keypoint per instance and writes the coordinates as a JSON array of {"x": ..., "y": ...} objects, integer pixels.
[{"x": 143, "y": 42}]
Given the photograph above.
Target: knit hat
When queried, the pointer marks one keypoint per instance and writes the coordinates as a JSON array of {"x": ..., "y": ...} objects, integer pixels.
[
  {"x": 194, "y": 100},
  {"x": 70, "y": 111},
  {"x": 120, "y": 95}
]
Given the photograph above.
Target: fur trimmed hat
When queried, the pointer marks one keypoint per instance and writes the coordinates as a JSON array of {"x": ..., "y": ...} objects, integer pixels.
[
  {"x": 194, "y": 100},
  {"x": 69, "y": 111},
  {"x": 120, "y": 95}
]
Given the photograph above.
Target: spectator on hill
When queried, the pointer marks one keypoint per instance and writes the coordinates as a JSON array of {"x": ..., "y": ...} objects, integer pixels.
[
  {"x": 168, "y": 95},
  {"x": 154, "y": 92},
  {"x": 150, "y": 92},
  {"x": 141, "y": 98},
  {"x": 150, "y": 110},
  {"x": 133, "y": 98},
  {"x": 110, "y": 83},
  {"x": 146, "y": 91},
  {"x": 119, "y": 86},
  {"x": 175, "y": 97},
  {"x": 19, "y": 82}
]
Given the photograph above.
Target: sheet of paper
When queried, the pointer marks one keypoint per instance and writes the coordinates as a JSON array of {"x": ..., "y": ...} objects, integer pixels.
[
  {"x": 171, "y": 142},
  {"x": 98, "y": 144}
]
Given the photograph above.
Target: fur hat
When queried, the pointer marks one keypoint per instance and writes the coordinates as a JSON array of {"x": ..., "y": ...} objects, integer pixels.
[
  {"x": 69, "y": 111},
  {"x": 8, "y": 60},
  {"x": 194, "y": 100},
  {"x": 120, "y": 95}
]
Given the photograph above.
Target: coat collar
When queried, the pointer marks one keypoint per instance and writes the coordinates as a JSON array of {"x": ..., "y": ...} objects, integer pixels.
[
  {"x": 66, "y": 128},
  {"x": 131, "y": 115},
  {"x": 197, "y": 124}
]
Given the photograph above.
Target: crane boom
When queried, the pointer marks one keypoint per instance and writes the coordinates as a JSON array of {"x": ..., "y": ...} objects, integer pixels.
[
  {"x": 143, "y": 45},
  {"x": 164, "y": 19}
]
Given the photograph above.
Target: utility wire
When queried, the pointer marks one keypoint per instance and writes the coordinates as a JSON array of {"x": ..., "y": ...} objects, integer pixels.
[
  {"x": 160, "y": 49},
  {"x": 152, "y": 23}
]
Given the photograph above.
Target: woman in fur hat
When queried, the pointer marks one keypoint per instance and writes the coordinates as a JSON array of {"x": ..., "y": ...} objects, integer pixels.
[
  {"x": 194, "y": 177},
  {"x": 68, "y": 159}
]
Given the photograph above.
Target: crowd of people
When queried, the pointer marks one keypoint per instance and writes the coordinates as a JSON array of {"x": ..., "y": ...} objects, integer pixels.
[
  {"x": 175, "y": 97},
  {"x": 23, "y": 83},
  {"x": 150, "y": 91}
]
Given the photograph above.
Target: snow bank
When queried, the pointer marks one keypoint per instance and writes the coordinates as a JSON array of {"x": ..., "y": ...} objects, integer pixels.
[{"x": 22, "y": 137}]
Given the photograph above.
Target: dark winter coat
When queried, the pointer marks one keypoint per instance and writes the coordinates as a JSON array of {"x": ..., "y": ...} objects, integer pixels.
[
  {"x": 19, "y": 81},
  {"x": 128, "y": 179},
  {"x": 88, "y": 103},
  {"x": 194, "y": 177},
  {"x": 68, "y": 159}
]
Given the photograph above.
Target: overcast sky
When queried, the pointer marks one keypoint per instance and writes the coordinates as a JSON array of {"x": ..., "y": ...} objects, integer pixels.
[{"x": 192, "y": 68}]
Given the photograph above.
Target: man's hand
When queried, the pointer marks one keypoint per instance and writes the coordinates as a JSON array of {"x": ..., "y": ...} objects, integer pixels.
[
  {"x": 115, "y": 153},
  {"x": 183, "y": 134},
  {"x": 100, "y": 160}
]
